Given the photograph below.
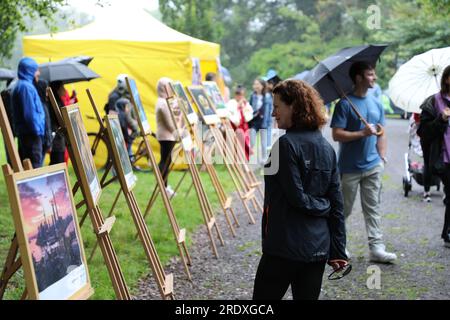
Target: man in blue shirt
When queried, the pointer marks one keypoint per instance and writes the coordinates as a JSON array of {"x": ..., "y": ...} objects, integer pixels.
[
  {"x": 362, "y": 154},
  {"x": 28, "y": 113}
]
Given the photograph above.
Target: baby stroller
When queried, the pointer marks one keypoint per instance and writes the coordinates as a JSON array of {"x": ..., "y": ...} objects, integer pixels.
[{"x": 414, "y": 161}]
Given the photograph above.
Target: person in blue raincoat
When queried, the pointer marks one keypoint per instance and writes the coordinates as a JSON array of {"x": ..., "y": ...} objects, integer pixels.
[{"x": 28, "y": 113}]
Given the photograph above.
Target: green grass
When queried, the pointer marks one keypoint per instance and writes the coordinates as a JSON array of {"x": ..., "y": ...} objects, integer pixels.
[{"x": 130, "y": 253}]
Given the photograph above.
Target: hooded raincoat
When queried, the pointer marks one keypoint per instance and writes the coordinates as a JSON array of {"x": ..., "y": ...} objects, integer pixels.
[{"x": 28, "y": 112}]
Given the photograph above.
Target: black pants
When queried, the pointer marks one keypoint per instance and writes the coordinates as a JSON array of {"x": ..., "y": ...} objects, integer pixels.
[
  {"x": 426, "y": 167},
  {"x": 30, "y": 147},
  {"x": 58, "y": 149},
  {"x": 445, "y": 177},
  {"x": 275, "y": 274},
  {"x": 166, "y": 158}
]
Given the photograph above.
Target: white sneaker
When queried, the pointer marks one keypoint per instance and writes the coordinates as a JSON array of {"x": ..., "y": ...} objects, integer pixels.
[
  {"x": 170, "y": 192},
  {"x": 382, "y": 256}
]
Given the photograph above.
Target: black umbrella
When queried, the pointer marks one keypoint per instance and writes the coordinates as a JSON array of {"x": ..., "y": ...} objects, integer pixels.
[
  {"x": 330, "y": 77},
  {"x": 6, "y": 74},
  {"x": 301, "y": 76},
  {"x": 66, "y": 71},
  {"x": 81, "y": 59}
]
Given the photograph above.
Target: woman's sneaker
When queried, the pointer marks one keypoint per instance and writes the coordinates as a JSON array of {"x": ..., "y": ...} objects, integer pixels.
[
  {"x": 381, "y": 255},
  {"x": 170, "y": 192},
  {"x": 426, "y": 197}
]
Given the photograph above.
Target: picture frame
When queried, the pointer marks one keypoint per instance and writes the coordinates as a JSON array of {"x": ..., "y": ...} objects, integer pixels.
[
  {"x": 204, "y": 104},
  {"x": 84, "y": 160},
  {"x": 215, "y": 96},
  {"x": 138, "y": 106},
  {"x": 123, "y": 166},
  {"x": 50, "y": 244},
  {"x": 186, "y": 105}
]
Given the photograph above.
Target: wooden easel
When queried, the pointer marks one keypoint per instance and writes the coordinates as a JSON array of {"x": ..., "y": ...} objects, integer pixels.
[
  {"x": 225, "y": 201},
  {"x": 179, "y": 234},
  {"x": 13, "y": 263},
  {"x": 164, "y": 282},
  {"x": 252, "y": 181},
  {"x": 205, "y": 205},
  {"x": 245, "y": 192},
  {"x": 243, "y": 187},
  {"x": 238, "y": 154},
  {"x": 101, "y": 226}
]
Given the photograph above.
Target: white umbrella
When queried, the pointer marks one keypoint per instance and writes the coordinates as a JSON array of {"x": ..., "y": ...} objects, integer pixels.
[{"x": 418, "y": 79}]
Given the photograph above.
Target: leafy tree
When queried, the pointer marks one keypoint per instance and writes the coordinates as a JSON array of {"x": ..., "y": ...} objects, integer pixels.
[
  {"x": 437, "y": 7},
  {"x": 13, "y": 13},
  {"x": 193, "y": 17}
]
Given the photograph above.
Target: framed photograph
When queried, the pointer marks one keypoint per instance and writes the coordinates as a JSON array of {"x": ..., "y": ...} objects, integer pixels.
[
  {"x": 84, "y": 160},
  {"x": 139, "y": 107},
  {"x": 215, "y": 96},
  {"x": 178, "y": 89},
  {"x": 120, "y": 154},
  {"x": 203, "y": 104},
  {"x": 50, "y": 244}
]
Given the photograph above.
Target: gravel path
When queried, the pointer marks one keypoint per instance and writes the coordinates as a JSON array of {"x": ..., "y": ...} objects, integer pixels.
[{"x": 411, "y": 229}]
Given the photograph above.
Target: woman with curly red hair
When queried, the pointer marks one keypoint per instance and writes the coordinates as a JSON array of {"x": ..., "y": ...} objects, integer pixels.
[{"x": 303, "y": 222}]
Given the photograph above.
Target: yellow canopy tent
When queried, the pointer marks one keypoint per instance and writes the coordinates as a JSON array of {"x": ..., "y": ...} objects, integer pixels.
[{"x": 130, "y": 42}]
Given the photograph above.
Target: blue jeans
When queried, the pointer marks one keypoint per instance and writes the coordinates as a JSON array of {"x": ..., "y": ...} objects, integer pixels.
[{"x": 261, "y": 151}]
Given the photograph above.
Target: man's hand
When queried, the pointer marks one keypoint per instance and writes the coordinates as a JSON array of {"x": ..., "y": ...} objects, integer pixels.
[
  {"x": 337, "y": 263},
  {"x": 369, "y": 130}
]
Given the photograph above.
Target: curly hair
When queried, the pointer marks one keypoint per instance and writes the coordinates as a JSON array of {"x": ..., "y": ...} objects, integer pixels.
[{"x": 308, "y": 109}]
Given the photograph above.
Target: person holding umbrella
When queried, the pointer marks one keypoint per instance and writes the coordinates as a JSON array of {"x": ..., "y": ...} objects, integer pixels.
[
  {"x": 434, "y": 133},
  {"x": 362, "y": 153},
  {"x": 28, "y": 113}
]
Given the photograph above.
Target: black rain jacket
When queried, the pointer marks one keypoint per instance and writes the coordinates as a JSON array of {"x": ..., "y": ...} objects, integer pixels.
[
  {"x": 431, "y": 131},
  {"x": 303, "y": 216}
]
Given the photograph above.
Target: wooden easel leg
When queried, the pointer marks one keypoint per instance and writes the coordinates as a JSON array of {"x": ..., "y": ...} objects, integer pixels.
[
  {"x": 219, "y": 234},
  {"x": 250, "y": 216},
  {"x": 24, "y": 294},
  {"x": 230, "y": 224},
  {"x": 151, "y": 201},
  {"x": 85, "y": 214},
  {"x": 236, "y": 221},
  {"x": 189, "y": 190},
  {"x": 111, "y": 261},
  {"x": 149, "y": 246},
  {"x": 8, "y": 269},
  {"x": 169, "y": 210},
  {"x": 109, "y": 215},
  {"x": 257, "y": 205},
  {"x": 178, "y": 184}
]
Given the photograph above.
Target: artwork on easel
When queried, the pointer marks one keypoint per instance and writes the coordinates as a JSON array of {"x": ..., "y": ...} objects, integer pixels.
[
  {"x": 79, "y": 141},
  {"x": 214, "y": 94},
  {"x": 138, "y": 103},
  {"x": 50, "y": 243},
  {"x": 177, "y": 87},
  {"x": 203, "y": 104},
  {"x": 125, "y": 170}
]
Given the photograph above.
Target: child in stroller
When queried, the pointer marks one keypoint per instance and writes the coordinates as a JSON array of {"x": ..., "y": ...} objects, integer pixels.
[{"x": 414, "y": 162}]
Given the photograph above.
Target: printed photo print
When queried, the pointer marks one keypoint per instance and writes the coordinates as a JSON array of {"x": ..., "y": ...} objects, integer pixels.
[
  {"x": 120, "y": 146},
  {"x": 84, "y": 151},
  {"x": 137, "y": 100},
  {"x": 53, "y": 241}
]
